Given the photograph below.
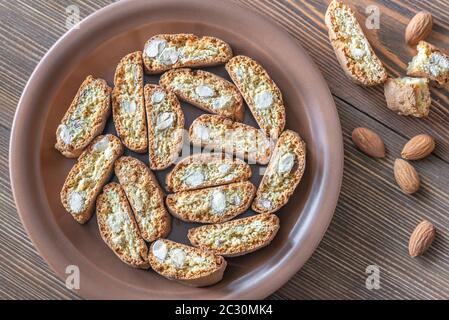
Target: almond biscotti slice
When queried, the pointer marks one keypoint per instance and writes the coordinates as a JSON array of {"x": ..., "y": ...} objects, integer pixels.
[
  {"x": 221, "y": 134},
  {"x": 262, "y": 95},
  {"x": 212, "y": 205},
  {"x": 353, "y": 51},
  {"x": 145, "y": 197},
  {"x": 86, "y": 117},
  {"x": 204, "y": 170},
  {"x": 206, "y": 91},
  {"x": 85, "y": 180},
  {"x": 165, "y": 126},
  {"x": 128, "y": 107},
  {"x": 237, "y": 237},
  {"x": 186, "y": 264},
  {"x": 408, "y": 96},
  {"x": 163, "y": 52},
  {"x": 119, "y": 229},
  {"x": 283, "y": 173},
  {"x": 430, "y": 62}
]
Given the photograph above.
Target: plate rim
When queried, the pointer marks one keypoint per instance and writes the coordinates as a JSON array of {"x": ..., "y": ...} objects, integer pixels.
[{"x": 333, "y": 176}]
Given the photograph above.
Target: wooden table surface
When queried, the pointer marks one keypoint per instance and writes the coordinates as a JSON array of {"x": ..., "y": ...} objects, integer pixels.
[{"x": 373, "y": 219}]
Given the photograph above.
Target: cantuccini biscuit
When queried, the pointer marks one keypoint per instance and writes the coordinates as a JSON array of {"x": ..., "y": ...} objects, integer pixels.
[
  {"x": 163, "y": 52},
  {"x": 186, "y": 264},
  {"x": 86, "y": 117}
]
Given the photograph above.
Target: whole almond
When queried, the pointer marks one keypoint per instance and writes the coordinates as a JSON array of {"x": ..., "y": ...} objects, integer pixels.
[
  {"x": 421, "y": 238},
  {"x": 406, "y": 176},
  {"x": 418, "y": 28},
  {"x": 369, "y": 142},
  {"x": 418, "y": 147}
]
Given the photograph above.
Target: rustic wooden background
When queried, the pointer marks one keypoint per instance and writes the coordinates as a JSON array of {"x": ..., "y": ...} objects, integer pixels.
[{"x": 373, "y": 219}]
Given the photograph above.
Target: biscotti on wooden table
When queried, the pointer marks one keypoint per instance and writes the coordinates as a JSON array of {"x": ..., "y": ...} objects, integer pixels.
[
  {"x": 236, "y": 237},
  {"x": 212, "y": 205},
  {"x": 353, "y": 51},
  {"x": 283, "y": 174},
  {"x": 165, "y": 126},
  {"x": 186, "y": 264},
  {"x": 86, "y": 117},
  {"x": 168, "y": 51},
  {"x": 128, "y": 106},
  {"x": 145, "y": 197},
  {"x": 206, "y": 170},
  {"x": 430, "y": 62},
  {"x": 206, "y": 91},
  {"x": 85, "y": 180},
  {"x": 408, "y": 96},
  {"x": 261, "y": 94},
  {"x": 118, "y": 227},
  {"x": 221, "y": 134}
]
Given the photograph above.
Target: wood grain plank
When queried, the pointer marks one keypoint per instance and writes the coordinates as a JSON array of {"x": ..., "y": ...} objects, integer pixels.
[{"x": 373, "y": 219}]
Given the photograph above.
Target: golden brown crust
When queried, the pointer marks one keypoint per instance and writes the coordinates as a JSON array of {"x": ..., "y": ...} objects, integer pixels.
[
  {"x": 409, "y": 99},
  {"x": 210, "y": 272},
  {"x": 212, "y": 205},
  {"x": 118, "y": 228},
  {"x": 432, "y": 63},
  {"x": 183, "y": 50},
  {"x": 236, "y": 237},
  {"x": 211, "y": 166},
  {"x": 164, "y": 142},
  {"x": 82, "y": 186},
  {"x": 128, "y": 106},
  {"x": 252, "y": 80},
  {"x": 283, "y": 174},
  {"x": 74, "y": 123},
  {"x": 186, "y": 82},
  {"x": 356, "y": 62},
  {"x": 222, "y": 134},
  {"x": 145, "y": 197}
]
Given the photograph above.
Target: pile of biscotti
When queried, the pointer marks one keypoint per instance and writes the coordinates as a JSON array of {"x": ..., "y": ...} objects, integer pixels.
[
  {"x": 210, "y": 187},
  {"x": 407, "y": 95}
]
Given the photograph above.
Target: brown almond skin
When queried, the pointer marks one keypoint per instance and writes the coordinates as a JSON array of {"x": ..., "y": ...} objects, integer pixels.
[
  {"x": 421, "y": 238},
  {"x": 418, "y": 147},
  {"x": 418, "y": 28},
  {"x": 406, "y": 176},
  {"x": 369, "y": 142}
]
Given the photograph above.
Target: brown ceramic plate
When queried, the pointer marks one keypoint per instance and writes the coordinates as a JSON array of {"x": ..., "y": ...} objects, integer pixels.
[{"x": 38, "y": 170}]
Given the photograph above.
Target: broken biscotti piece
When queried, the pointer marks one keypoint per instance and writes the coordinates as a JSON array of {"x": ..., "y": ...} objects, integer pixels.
[
  {"x": 283, "y": 173},
  {"x": 145, "y": 197},
  {"x": 236, "y": 237},
  {"x": 212, "y": 205},
  {"x": 221, "y": 134},
  {"x": 408, "y": 96},
  {"x": 118, "y": 227},
  {"x": 165, "y": 126},
  {"x": 207, "y": 170},
  {"x": 186, "y": 264},
  {"x": 206, "y": 91},
  {"x": 168, "y": 51},
  {"x": 86, "y": 117},
  {"x": 431, "y": 63},
  {"x": 262, "y": 95},
  {"x": 85, "y": 180},
  {"x": 128, "y": 106},
  {"x": 353, "y": 51}
]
